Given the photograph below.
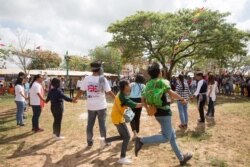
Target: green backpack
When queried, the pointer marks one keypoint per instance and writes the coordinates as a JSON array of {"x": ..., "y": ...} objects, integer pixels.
[{"x": 154, "y": 91}]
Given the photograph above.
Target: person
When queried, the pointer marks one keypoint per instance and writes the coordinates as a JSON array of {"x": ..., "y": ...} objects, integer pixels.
[
  {"x": 20, "y": 98},
  {"x": 121, "y": 103},
  {"x": 136, "y": 90},
  {"x": 56, "y": 97},
  {"x": 182, "y": 89},
  {"x": 95, "y": 85},
  {"x": 62, "y": 84},
  {"x": 211, "y": 94},
  {"x": 200, "y": 93},
  {"x": 36, "y": 101},
  {"x": 162, "y": 115},
  {"x": 71, "y": 88},
  {"x": 115, "y": 88}
]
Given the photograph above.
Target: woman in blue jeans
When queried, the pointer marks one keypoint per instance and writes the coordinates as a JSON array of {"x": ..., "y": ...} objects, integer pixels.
[
  {"x": 182, "y": 89},
  {"x": 20, "y": 101},
  {"x": 162, "y": 115}
]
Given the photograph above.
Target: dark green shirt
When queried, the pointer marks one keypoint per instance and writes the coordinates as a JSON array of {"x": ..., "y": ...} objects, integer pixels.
[{"x": 126, "y": 101}]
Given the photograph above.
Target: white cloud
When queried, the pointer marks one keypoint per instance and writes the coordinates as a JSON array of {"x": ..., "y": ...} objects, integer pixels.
[{"x": 80, "y": 25}]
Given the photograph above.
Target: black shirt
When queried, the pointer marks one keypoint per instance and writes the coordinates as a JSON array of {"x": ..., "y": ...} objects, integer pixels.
[{"x": 56, "y": 97}]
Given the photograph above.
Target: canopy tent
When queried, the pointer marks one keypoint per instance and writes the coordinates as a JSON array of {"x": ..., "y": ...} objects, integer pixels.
[{"x": 50, "y": 72}]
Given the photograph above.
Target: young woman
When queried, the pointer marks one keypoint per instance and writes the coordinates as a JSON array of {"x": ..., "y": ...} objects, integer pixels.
[
  {"x": 162, "y": 115},
  {"x": 36, "y": 101},
  {"x": 135, "y": 95},
  {"x": 56, "y": 98},
  {"x": 211, "y": 94},
  {"x": 20, "y": 98},
  {"x": 182, "y": 89},
  {"x": 121, "y": 102}
]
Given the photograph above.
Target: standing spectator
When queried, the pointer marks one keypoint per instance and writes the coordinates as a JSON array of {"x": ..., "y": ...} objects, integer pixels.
[
  {"x": 137, "y": 88},
  {"x": 211, "y": 94},
  {"x": 20, "y": 101},
  {"x": 193, "y": 85},
  {"x": 71, "y": 88},
  {"x": 201, "y": 94},
  {"x": 96, "y": 86},
  {"x": 36, "y": 101},
  {"x": 62, "y": 84},
  {"x": 183, "y": 90}
]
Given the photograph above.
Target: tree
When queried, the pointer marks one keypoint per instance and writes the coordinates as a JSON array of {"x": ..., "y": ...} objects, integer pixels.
[
  {"x": 173, "y": 37},
  {"x": 110, "y": 56},
  {"x": 44, "y": 59},
  {"x": 78, "y": 63},
  {"x": 21, "y": 56}
]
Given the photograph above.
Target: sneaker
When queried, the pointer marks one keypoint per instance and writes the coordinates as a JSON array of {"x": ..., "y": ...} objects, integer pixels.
[
  {"x": 102, "y": 142},
  {"x": 186, "y": 158},
  {"x": 124, "y": 161},
  {"x": 60, "y": 137},
  {"x": 138, "y": 145}
]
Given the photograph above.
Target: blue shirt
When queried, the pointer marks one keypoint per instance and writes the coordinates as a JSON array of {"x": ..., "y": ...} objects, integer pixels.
[
  {"x": 136, "y": 90},
  {"x": 56, "y": 97}
]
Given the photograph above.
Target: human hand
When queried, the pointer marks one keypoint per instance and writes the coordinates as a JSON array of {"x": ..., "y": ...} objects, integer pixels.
[
  {"x": 74, "y": 101},
  {"x": 184, "y": 102}
]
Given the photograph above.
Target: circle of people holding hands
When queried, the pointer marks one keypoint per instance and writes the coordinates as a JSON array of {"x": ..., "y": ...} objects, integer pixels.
[{"x": 156, "y": 97}]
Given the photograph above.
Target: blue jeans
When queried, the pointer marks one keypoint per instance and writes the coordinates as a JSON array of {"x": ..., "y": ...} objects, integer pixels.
[
  {"x": 36, "y": 114},
  {"x": 183, "y": 114},
  {"x": 101, "y": 114},
  {"x": 168, "y": 134},
  {"x": 20, "y": 109}
]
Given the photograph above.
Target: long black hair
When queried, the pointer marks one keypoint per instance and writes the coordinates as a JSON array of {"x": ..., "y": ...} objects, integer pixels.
[
  {"x": 19, "y": 81},
  {"x": 123, "y": 84},
  {"x": 181, "y": 78},
  {"x": 35, "y": 78}
]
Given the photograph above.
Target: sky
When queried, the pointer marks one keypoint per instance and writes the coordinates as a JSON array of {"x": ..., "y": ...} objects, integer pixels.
[{"x": 80, "y": 25}]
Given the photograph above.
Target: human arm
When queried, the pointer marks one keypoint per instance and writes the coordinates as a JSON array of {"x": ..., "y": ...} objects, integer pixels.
[
  {"x": 174, "y": 95},
  {"x": 79, "y": 94},
  {"x": 66, "y": 98},
  {"x": 198, "y": 88},
  {"x": 41, "y": 97},
  {"x": 110, "y": 93}
]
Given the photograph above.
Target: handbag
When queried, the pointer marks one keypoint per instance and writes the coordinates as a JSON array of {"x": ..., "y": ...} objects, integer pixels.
[{"x": 128, "y": 115}]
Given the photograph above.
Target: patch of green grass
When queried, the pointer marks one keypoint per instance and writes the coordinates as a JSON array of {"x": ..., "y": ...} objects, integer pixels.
[
  {"x": 218, "y": 162},
  {"x": 7, "y": 100}
]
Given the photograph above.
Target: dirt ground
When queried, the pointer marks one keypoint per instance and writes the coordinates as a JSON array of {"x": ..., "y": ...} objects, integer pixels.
[{"x": 222, "y": 142}]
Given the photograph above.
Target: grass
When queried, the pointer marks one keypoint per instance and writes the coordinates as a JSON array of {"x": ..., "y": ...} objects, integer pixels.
[{"x": 220, "y": 143}]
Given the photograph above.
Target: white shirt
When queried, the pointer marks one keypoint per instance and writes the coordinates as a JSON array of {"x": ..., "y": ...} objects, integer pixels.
[
  {"x": 34, "y": 98},
  {"x": 200, "y": 83},
  {"x": 79, "y": 83},
  {"x": 96, "y": 100},
  {"x": 19, "y": 90},
  {"x": 212, "y": 88}
]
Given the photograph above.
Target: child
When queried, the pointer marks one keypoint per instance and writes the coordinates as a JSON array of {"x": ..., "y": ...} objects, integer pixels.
[
  {"x": 121, "y": 102},
  {"x": 56, "y": 97}
]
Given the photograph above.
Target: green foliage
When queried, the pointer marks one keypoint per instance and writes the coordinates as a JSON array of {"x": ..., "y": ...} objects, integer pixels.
[
  {"x": 110, "y": 56},
  {"x": 173, "y": 37},
  {"x": 78, "y": 63},
  {"x": 44, "y": 59}
]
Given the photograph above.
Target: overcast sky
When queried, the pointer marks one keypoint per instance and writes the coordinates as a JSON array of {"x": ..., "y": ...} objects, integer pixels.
[{"x": 80, "y": 25}]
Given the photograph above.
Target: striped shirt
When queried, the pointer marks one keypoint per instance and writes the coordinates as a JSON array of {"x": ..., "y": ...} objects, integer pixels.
[{"x": 183, "y": 93}]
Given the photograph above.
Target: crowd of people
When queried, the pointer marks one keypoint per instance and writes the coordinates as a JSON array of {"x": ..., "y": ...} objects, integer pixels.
[{"x": 156, "y": 96}]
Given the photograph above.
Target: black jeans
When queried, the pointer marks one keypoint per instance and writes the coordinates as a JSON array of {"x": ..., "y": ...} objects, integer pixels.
[
  {"x": 71, "y": 93},
  {"x": 201, "y": 104},
  {"x": 124, "y": 136},
  {"x": 210, "y": 111},
  {"x": 57, "y": 112},
  {"x": 135, "y": 123},
  {"x": 35, "y": 118}
]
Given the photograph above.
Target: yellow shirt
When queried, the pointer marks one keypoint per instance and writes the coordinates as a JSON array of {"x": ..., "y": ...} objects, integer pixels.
[{"x": 120, "y": 104}]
